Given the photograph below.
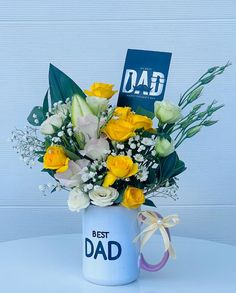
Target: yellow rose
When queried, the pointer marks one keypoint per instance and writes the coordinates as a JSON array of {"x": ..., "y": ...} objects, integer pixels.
[
  {"x": 133, "y": 197},
  {"x": 119, "y": 130},
  {"x": 55, "y": 159},
  {"x": 140, "y": 121},
  {"x": 101, "y": 90},
  {"x": 122, "y": 112},
  {"x": 119, "y": 167}
]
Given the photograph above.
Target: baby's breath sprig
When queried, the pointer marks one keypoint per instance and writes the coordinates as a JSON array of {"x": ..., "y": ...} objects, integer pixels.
[{"x": 27, "y": 144}]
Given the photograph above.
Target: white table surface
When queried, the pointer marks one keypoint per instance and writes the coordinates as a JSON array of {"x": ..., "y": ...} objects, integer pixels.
[{"x": 53, "y": 264}]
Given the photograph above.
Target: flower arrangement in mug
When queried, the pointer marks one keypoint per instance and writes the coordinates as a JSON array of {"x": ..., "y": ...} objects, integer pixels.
[{"x": 106, "y": 155}]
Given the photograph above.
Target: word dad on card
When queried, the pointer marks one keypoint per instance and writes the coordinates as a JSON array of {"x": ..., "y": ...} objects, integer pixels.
[{"x": 144, "y": 79}]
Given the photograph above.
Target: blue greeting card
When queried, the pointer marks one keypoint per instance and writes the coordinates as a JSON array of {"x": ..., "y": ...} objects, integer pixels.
[{"x": 144, "y": 78}]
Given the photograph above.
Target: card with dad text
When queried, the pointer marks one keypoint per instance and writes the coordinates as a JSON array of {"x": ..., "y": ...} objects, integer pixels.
[{"x": 144, "y": 79}]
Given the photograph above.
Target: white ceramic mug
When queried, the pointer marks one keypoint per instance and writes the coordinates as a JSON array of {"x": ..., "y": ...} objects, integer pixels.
[{"x": 110, "y": 257}]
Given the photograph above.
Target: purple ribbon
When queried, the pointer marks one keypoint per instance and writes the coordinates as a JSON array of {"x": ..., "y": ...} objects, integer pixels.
[{"x": 154, "y": 268}]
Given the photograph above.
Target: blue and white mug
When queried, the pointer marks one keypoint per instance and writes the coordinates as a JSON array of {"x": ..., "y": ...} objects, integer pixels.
[{"x": 110, "y": 256}]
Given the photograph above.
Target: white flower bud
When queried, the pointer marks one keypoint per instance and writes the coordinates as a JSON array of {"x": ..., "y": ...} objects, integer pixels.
[
  {"x": 164, "y": 147},
  {"x": 166, "y": 112}
]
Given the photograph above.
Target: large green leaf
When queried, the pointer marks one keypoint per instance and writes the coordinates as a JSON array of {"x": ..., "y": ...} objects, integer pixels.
[
  {"x": 45, "y": 104},
  {"x": 62, "y": 86},
  {"x": 167, "y": 165},
  {"x": 179, "y": 168}
]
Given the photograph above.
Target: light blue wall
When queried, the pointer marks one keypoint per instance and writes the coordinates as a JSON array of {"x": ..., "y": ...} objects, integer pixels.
[{"x": 88, "y": 40}]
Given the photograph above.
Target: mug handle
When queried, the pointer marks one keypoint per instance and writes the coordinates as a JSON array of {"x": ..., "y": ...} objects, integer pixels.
[{"x": 154, "y": 268}]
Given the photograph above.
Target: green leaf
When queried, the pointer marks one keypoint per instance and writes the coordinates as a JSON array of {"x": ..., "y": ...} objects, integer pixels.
[
  {"x": 49, "y": 171},
  {"x": 197, "y": 107},
  {"x": 142, "y": 111},
  {"x": 62, "y": 86},
  {"x": 47, "y": 142},
  {"x": 40, "y": 152},
  {"x": 168, "y": 165},
  {"x": 40, "y": 159},
  {"x": 152, "y": 177},
  {"x": 207, "y": 79},
  {"x": 211, "y": 110},
  {"x": 36, "y": 116},
  {"x": 212, "y": 69},
  {"x": 209, "y": 122},
  {"x": 179, "y": 168},
  {"x": 45, "y": 104},
  {"x": 120, "y": 197},
  {"x": 54, "y": 189},
  {"x": 168, "y": 127},
  {"x": 149, "y": 203},
  {"x": 72, "y": 155}
]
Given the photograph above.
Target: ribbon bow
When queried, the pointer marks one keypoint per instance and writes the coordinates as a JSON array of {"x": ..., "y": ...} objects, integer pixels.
[{"x": 154, "y": 222}]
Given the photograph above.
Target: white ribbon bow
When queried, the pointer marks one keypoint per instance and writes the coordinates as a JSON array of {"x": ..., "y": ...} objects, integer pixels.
[{"x": 154, "y": 223}]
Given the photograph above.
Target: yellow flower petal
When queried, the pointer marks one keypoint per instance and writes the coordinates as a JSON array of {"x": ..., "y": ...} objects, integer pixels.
[
  {"x": 122, "y": 112},
  {"x": 88, "y": 93},
  {"x": 101, "y": 90},
  {"x": 64, "y": 168},
  {"x": 109, "y": 179},
  {"x": 134, "y": 170},
  {"x": 133, "y": 197},
  {"x": 55, "y": 158},
  {"x": 140, "y": 121},
  {"x": 119, "y": 130}
]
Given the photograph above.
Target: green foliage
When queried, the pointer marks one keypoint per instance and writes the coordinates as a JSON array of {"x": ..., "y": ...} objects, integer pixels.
[
  {"x": 45, "y": 104},
  {"x": 149, "y": 203},
  {"x": 49, "y": 171},
  {"x": 169, "y": 167},
  {"x": 120, "y": 197},
  {"x": 62, "y": 86},
  {"x": 40, "y": 159},
  {"x": 142, "y": 111},
  {"x": 72, "y": 155},
  {"x": 196, "y": 119},
  {"x": 178, "y": 168},
  {"x": 195, "y": 94},
  {"x": 36, "y": 116}
]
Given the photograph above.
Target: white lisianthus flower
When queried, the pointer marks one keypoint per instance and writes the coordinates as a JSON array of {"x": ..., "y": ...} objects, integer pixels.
[
  {"x": 164, "y": 147},
  {"x": 103, "y": 196},
  {"x": 88, "y": 125},
  {"x": 167, "y": 112},
  {"x": 77, "y": 200},
  {"x": 96, "y": 148},
  {"x": 63, "y": 109},
  {"x": 73, "y": 175},
  {"x": 97, "y": 104},
  {"x": 52, "y": 122}
]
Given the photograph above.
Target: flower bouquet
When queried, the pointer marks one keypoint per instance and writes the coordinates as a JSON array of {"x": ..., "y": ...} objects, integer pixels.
[{"x": 112, "y": 160}]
